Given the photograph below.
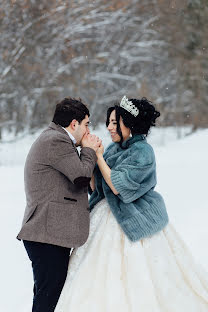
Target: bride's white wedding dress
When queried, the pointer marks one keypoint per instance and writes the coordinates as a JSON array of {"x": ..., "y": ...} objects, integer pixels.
[{"x": 112, "y": 274}]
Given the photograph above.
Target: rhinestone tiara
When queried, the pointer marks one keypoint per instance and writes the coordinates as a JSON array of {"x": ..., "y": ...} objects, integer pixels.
[{"x": 129, "y": 106}]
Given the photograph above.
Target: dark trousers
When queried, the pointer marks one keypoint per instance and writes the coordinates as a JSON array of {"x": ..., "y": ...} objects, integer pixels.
[{"x": 50, "y": 265}]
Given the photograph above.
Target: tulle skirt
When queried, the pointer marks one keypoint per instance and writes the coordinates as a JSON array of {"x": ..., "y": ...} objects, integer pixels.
[{"x": 112, "y": 274}]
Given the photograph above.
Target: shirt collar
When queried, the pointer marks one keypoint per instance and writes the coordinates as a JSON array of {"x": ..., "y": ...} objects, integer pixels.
[{"x": 71, "y": 136}]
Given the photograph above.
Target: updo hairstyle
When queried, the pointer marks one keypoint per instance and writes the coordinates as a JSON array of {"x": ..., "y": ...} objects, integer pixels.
[{"x": 140, "y": 124}]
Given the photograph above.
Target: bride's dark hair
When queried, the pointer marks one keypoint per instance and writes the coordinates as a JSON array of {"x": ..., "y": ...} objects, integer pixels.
[{"x": 138, "y": 125}]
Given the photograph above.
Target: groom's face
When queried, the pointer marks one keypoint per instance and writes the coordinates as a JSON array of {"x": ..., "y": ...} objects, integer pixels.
[{"x": 82, "y": 128}]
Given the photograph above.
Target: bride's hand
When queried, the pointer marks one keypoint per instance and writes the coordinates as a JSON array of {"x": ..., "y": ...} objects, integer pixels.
[{"x": 100, "y": 150}]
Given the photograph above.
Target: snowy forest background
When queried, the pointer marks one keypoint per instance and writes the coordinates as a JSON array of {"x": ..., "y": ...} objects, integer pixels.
[{"x": 100, "y": 50}]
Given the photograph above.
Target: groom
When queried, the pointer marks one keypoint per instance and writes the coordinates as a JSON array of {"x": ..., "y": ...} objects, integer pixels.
[{"x": 56, "y": 215}]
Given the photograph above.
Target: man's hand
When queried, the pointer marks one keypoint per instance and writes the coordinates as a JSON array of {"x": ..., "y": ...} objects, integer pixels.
[{"x": 92, "y": 141}]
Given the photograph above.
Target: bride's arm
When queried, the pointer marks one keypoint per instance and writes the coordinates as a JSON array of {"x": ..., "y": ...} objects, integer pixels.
[
  {"x": 105, "y": 169},
  {"x": 92, "y": 183}
]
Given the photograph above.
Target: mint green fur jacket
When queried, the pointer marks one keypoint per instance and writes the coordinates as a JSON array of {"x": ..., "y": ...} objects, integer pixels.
[{"x": 139, "y": 209}]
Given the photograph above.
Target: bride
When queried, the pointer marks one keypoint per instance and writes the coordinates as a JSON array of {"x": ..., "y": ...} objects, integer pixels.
[{"x": 133, "y": 260}]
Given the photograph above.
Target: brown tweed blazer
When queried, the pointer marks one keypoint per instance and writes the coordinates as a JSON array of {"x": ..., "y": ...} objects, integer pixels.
[{"x": 56, "y": 180}]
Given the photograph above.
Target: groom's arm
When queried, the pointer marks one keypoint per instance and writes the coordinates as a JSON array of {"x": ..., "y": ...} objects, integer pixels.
[{"x": 64, "y": 158}]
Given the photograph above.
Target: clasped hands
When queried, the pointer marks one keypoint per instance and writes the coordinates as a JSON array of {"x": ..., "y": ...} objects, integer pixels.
[{"x": 94, "y": 142}]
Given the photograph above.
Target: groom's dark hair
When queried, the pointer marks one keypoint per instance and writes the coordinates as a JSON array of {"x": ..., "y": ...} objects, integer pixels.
[{"x": 69, "y": 109}]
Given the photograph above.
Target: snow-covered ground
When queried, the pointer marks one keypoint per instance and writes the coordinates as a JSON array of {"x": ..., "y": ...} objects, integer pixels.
[{"x": 182, "y": 180}]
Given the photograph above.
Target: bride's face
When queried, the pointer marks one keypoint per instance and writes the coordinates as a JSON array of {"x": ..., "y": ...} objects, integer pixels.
[{"x": 112, "y": 128}]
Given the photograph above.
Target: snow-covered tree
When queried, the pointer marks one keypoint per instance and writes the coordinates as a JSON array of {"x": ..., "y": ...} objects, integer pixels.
[{"x": 100, "y": 50}]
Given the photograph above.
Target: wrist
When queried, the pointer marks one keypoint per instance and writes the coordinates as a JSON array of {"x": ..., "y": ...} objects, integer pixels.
[{"x": 100, "y": 157}]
